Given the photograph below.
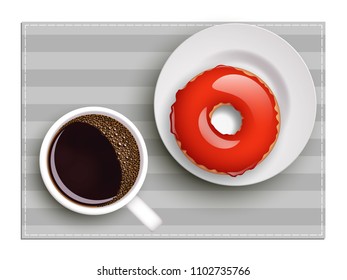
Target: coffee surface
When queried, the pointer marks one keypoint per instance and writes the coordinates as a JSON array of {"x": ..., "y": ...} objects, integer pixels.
[{"x": 94, "y": 160}]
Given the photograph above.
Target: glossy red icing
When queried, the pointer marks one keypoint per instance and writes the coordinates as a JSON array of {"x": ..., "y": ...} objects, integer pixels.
[{"x": 207, "y": 147}]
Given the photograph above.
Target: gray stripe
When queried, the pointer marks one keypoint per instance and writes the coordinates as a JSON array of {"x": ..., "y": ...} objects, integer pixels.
[
  {"x": 64, "y": 217},
  {"x": 313, "y": 148},
  {"x": 135, "y": 112},
  {"x": 241, "y": 216},
  {"x": 125, "y": 28},
  {"x": 156, "y": 147},
  {"x": 305, "y": 43},
  {"x": 49, "y": 112},
  {"x": 232, "y": 199},
  {"x": 90, "y": 78},
  {"x": 181, "y": 182},
  {"x": 102, "y": 43},
  {"x": 90, "y": 95},
  {"x": 187, "y": 182},
  {"x": 305, "y": 164},
  {"x": 226, "y": 199},
  {"x": 167, "y": 165},
  {"x": 136, "y": 43},
  {"x": 177, "y": 231},
  {"x": 95, "y": 60},
  {"x": 105, "y": 95},
  {"x": 150, "y": 28},
  {"x": 117, "y": 60},
  {"x": 297, "y": 28},
  {"x": 38, "y": 129}
]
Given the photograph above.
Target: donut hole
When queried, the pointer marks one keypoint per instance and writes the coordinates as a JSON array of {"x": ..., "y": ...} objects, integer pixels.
[{"x": 226, "y": 119}]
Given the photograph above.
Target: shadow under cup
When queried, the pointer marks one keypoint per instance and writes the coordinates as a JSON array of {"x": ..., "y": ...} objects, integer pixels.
[{"x": 93, "y": 160}]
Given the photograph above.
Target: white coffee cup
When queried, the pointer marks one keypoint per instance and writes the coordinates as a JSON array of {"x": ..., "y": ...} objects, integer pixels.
[{"x": 143, "y": 212}]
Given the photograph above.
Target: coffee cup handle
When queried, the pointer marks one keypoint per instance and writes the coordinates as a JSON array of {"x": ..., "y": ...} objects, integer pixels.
[{"x": 144, "y": 213}]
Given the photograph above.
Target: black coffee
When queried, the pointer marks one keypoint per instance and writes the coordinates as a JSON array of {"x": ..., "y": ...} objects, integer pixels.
[{"x": 94, "y": 160}]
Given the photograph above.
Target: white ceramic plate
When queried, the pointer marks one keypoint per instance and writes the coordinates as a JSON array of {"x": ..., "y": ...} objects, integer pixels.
[{"x": 266, "y": 55}]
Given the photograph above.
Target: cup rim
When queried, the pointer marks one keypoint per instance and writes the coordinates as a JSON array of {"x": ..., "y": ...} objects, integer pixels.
[{"x": 84, "y": 209}]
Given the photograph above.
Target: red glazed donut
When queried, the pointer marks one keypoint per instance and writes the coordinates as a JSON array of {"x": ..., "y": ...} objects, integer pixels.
[{"x": 202, "y": 143}]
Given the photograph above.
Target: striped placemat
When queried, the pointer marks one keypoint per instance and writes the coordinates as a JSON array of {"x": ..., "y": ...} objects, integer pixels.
[{"x": 66, "y": 66}]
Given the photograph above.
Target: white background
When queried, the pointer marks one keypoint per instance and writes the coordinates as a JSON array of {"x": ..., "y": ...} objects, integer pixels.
[{"x": 79, "y": 259}]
